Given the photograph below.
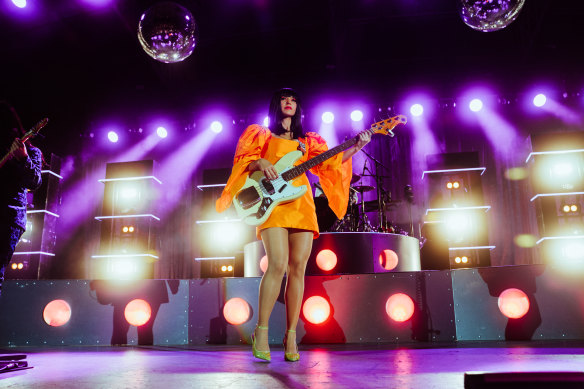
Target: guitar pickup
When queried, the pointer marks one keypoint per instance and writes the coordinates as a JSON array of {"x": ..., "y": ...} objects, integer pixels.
[
  {"x": 282, "y": 188},
  {"x": 268, "y": 186}
]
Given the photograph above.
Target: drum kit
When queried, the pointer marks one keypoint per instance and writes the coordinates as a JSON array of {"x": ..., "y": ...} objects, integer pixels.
[{"x": 356, "y": 219}]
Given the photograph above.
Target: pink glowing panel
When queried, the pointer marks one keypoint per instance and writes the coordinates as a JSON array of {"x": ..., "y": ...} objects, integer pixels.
[
  {"x": 112, "y": 136},
  {"x": 236, "y": 311},
  {"x": 513, "y": 303},
  {"x": 417, "y": 109},
  {"x": 326, "y": 260},
  {"x": 264, "y": 263},
  {"x": 399, "y": 307},
  {"x": 316, "y": 309},
  {"x": 356, "y": 115},
  {"x": 475, "y": 105},
  {"x": 137, "y": 312},
  {"x": 388, "y": 259},
  {"x": 328, "y": 117},
  {"x": 57, "y": 313},
  {"x": 539, "y": 100}
]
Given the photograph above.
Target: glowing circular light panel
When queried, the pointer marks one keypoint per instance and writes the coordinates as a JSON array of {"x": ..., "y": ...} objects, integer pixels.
[
  {"x": 388, "y": 259},
  {"x": 57, "y": 313},
  {"x": 264, "y": 263},
  {"x": 236, "y": 311},
  {"x": 328, "y": 117},
  {"x": 539, "y": 100},
  {"x": 19, "y": 3},
  {"x": 513, "y": 303},
  {"x": 399, "y": 307},
  {"x": 356, "y": 115},
  {"x": 161, "y": 132},
  {"x": 417, "y": 110},
  {"x": 316, "y": 309},
  {"x": 216, "y": 127},
  {"x": 267, "y": 121},
  {"x": 113, "y": 136},
  {"x": 326, "y": 260},
  {"x": 475, "y": 105},
  {"x": 137, "y": 312}
]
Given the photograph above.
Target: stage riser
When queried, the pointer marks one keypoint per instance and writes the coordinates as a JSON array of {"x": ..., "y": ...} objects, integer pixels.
[{"x": 449, "y": 305}]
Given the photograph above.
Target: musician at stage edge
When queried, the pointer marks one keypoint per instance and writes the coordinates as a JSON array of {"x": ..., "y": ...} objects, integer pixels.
[
  {"x": 21, "y": 172},
  {"x": 287, "y": 232}
]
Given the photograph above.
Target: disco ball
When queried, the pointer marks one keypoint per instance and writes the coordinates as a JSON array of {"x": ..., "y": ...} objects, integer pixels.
[
  {"x": 167, "y": 32},
  {"x": 489, "y": 15}
]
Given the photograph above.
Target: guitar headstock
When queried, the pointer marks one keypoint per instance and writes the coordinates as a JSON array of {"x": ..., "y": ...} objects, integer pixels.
[
  {"x": 385, "y": 126},
  {"x": 35, "y": 130}
]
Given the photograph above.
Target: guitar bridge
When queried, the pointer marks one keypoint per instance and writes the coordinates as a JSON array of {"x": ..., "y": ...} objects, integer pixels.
[{"x": 248, "y": 197}]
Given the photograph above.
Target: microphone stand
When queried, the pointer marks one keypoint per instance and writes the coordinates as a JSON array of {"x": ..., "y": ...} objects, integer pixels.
[{"x": 380, "y": 195}]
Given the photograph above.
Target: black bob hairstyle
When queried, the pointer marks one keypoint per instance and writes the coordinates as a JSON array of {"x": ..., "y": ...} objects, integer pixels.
[{"x": 275, "y": 114}]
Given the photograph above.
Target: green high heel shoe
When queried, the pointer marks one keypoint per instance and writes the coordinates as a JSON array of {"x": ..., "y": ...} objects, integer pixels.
[
  {"x": 290, "y": 357},
  {"x": 265, "y": 355}
]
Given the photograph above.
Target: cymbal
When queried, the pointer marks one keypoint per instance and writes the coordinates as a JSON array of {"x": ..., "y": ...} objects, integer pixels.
[
  {"x": 355, "y": 178},
  {"x": 363, "y": 188}
]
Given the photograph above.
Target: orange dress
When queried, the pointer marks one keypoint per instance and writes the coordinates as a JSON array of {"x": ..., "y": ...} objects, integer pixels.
[{"x": 335, "y": 177}]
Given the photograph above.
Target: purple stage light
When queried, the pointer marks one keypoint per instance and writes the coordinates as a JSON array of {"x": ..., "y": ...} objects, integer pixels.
[
  {"x": 216, "y": 127},
  {"x": 475, "y": 105},
  {"x": 328, "y": 117},
  {"x": 539, "y": 100},
  {"x": 267, "y": 121},
  {"x": 113, "y": 136},
  {"x": 417, "y": 109},
  {"x": 356, "y": 115},
  {"x": 19, "y": 3},
  {"x": 161, "y": 131}
]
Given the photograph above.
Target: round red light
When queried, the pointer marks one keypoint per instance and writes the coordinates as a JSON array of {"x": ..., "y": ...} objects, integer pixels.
[
  {"x": 326, "y": 260},
  {"x": 513, "y": 303},
  {"x": 137, "y": 312},
  {"x": 316, "y": 309},
  {"x": 236, "y": 311},
  {"x": 264, "y": 263},
  {"x": 57, "y": 313},
  {"x": 388, "y": 259},
  {"x": 399, "y": 307}
]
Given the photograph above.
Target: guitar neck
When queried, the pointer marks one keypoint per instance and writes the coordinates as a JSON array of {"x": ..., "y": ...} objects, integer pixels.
[{"x": 312, "y": 162}]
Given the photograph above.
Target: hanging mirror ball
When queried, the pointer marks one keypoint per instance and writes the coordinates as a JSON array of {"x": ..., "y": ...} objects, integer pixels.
[
  {"x": 167, "y": 32},
  {"x": 489, "y": 15}
]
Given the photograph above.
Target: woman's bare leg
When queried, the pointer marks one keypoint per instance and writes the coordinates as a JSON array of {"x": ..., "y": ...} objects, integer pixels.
[
  {"x": 275, "y": 241},
  {"x": 300, "y": 242}
]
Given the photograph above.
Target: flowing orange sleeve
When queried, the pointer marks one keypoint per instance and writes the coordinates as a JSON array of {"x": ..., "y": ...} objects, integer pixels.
[
  {"x": 334, "y": 174},
  {"x": 249, "y": 149}
]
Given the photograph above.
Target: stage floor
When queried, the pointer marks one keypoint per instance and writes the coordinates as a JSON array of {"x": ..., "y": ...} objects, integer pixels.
[{"x": 330, "y": 366}]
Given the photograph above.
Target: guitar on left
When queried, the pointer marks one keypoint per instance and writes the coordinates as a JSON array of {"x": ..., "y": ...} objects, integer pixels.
[
  {"x": 258, "y": 197},
  {"x": 30, "y": 134}
]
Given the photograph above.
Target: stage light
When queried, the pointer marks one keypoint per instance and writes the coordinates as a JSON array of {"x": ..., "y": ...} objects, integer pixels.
[
  {"x": 137, "y": 312},
  {"x": 226, "y": 234},
  {"x": 457, "y": 222},
  {"x": 457, "y": 259},
  {"x": 316, "y": 309},
  {"x": 456, "y": 184},
  {"x": 14, "y": 266},
  {"x": 264, "y": 263},
  {"x": 112, "y": 136},
  {"x": 574, "y": 208},
  {"x": 223, "y": 268},
  {"x": 20, "y": 266},
  {"x": 129, "y": 268},
  {"x": 539, "y": 100},
  {"x": 516, "y": 173},
  {"x": 57, "y": 313},
  {"x": 236, "y": 311},
  {"x": 388, "y": 259},
  {"x": 229, "y": 268},
  {"x": 267, "y": 121},
  {"x": 573, "y": 252},
  {"x": 131, "y": 229},
  {"x": 449, "y": 185},
  {"x": 125, "y": 229},
  {"x": 513, "y": 303},
  {"x": 525, "y": 240},
  {"x": 399, "y": 307},
  {"x": 475, "y": 105},
  {"x": 464, "y": 259},
  {"x": 19, "y": 3},
  {"x": 161, "y": 132},
  {"x": 216, "y": 127},
  {"x": 566, "y": 208},
  {"x": 328, "y": 117},
  {"x": 417, "y": 110},
  {"x": 563, "y": 169},
  {"x": 356, "y": 115},
  {"x": 326, "y": 260}
]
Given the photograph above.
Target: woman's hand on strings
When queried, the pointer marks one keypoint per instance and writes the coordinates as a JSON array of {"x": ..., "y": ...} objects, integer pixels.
[{"x": 266, "y": 168}]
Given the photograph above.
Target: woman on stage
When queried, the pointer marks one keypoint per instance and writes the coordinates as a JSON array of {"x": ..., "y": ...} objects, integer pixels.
[{"x": 288, "y": 232}]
